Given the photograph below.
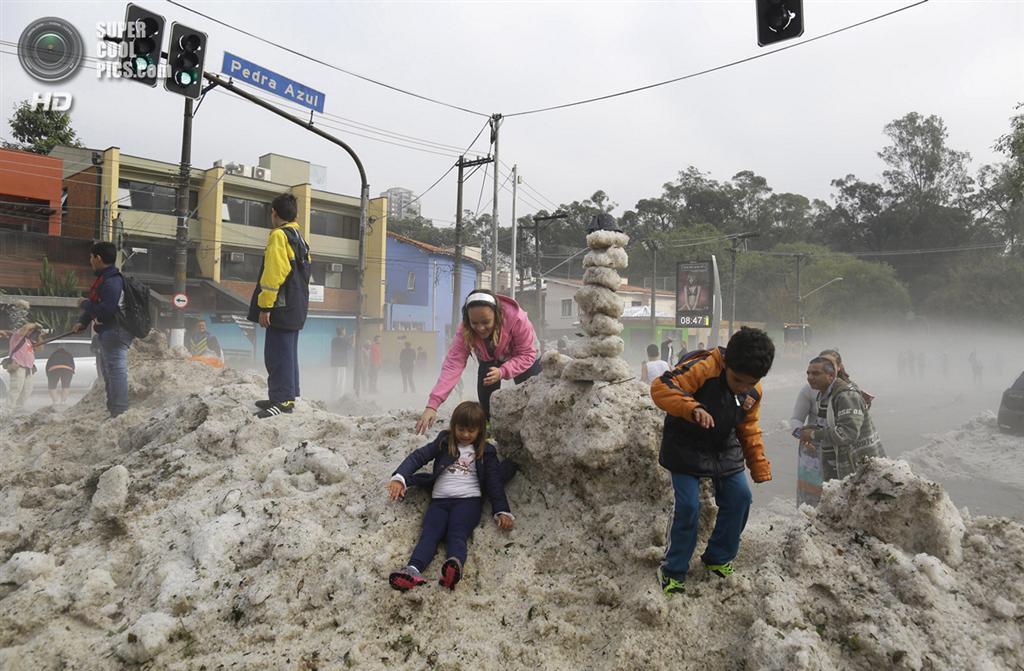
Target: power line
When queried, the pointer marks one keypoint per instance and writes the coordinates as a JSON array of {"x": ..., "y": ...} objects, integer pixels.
[
  {"x": 718, "y": 67},
  {"x": 326, "y": 64}
]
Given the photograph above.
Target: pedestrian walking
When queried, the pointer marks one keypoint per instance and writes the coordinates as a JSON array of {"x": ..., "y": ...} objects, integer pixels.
[
  {"x": 280, "y": 303},
  {"x": 21, "y": 363},
  {"x": 654, "y": 367},
  {"x": 376, "y": 363},
  {"x": 341, "y": 349},
  {"x": 407, "y": 365},
  {"x": 668, "y": 349}
]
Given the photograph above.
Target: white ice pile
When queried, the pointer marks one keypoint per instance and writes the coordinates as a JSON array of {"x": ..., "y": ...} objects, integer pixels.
[
  {"x": 186, "y": 534},
  {"x": 975, "y": 451}
]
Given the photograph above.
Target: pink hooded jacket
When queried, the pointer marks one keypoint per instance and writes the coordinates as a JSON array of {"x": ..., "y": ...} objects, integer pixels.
[{"x": 516, "y": 351}]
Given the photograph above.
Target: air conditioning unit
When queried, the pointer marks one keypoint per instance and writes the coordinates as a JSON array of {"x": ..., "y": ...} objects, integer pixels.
[
  {"x": 261, "y": 173},
  {"x": 236, "y": 257},
  {"x": 337, "y": 267},
  {"x": 239, "y": 169}
]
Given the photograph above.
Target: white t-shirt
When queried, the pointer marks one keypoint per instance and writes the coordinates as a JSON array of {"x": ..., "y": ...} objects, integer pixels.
[
  {"x": 459, "y": 481},
  {"x": 655, "y": 369}
]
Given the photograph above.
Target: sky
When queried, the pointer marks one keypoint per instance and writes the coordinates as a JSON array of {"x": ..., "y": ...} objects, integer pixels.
[{"x": 800, "y": 118}]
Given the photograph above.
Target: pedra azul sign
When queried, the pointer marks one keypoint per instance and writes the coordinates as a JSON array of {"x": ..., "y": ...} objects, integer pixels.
[{"x": 268, "y": 80}]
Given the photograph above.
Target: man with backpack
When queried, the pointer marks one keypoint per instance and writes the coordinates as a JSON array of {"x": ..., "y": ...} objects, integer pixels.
[
  {"x": 104, "y": 308},
  {"x": 279, "y": 304}
]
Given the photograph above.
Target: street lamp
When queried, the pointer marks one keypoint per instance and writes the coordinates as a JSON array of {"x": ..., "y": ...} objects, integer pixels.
[{"x": 800, "y": 309}]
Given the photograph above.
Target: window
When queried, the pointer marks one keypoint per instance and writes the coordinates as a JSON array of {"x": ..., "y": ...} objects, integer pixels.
[
  {"x": 334, "y": 224},
  {"x": 326, "y": 273},
  {"x": 636, "y": 304},
  {"x": 410, "y": 281},
  {"x": 246, "y": 212},
  {"x": 567, "y": 307},
  {"x": 132, "y": 195}
]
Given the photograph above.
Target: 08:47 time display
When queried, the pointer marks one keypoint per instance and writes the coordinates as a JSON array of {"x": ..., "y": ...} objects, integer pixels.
[{"x": 694, "y": 320}]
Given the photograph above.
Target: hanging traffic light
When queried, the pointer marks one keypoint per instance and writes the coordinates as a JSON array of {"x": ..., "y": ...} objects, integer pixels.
[
  {"x": 141, "y": 42},
  {"x": 779, "y": 20},
  {"x": 185, "y": 55}
]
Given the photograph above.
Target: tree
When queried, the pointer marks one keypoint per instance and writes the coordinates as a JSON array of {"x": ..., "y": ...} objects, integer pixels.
[
  {"x": 39, "y": 131},
  {"x": 923, "y": 170},
  {"x": 982, "y": 292}
]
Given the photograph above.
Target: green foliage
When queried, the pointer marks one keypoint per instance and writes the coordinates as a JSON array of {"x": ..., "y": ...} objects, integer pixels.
[
  {"x": 57, "y": 320},
  {"x": 981, "y": 292},
  {"x": 39, "y": 131}
]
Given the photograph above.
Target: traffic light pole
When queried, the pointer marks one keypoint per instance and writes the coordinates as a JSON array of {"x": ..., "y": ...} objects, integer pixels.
[
  {"x": 181, "y": 233},
  {"x": 364, "y": 201}
]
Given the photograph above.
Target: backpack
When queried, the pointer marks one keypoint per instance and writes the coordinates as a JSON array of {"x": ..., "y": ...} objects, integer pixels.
[{"x": 135, "y": 317}]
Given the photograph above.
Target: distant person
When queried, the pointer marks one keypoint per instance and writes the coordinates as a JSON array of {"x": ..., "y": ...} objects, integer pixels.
[
  {"x": 712, "y": 429},
  {"x": 376, "y": 363},
  {"x": 60, "y": 368},
  {"x": 466, "y": 468},
  {"x": 341, "y": 348},
  {"x": 977, "y": 368},
  {"x": 407, "y": 365},
  {"x": 653, "y": 368},
  {"x": 203, "y": 345},
  {"x": 21, "y": 363},
  {"x": 500, "y": 334},
  {"x": 102, "y": 309},
  {"x": 668, "y": 349},
  {"x": 844, "y": 430},
  {"x": 421, "y": 357},
  {"x": 280, "y": 303}
]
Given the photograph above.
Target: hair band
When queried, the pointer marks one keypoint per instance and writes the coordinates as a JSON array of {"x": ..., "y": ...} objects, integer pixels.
[{"x": 482, "y": 298}]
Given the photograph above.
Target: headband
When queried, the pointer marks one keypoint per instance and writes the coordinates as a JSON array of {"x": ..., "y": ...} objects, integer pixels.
[{"x": 481, "y": 298}]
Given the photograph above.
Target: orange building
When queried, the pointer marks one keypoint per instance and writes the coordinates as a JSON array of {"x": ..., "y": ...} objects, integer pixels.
[{"x": 30, "y": 192}]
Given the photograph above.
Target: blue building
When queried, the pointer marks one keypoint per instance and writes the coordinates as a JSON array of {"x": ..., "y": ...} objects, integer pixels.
[{"x": 419, "y": 286}]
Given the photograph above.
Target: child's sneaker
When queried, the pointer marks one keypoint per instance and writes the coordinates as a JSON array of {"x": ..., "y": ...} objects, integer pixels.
[
  {"x": 451, "y": 573},
  {"x": 721, "y": 570},
  {"x": 406, "y": 578},
  {"x": 668, "y": 584}
]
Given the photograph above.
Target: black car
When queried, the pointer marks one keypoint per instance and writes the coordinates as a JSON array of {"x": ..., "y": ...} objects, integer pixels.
[{"x": 1011, "y": 410}]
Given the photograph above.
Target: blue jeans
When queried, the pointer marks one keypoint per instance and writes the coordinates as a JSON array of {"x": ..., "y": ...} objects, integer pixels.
[
  {"x": 113, "y": 359},
  {"x": 451, "y": 520},
  {"x": 732, "y": 494},
  {"x": 281, "y": 356}
]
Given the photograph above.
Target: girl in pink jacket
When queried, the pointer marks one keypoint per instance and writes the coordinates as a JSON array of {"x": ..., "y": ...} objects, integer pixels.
[{"x": 500, "y": 334}]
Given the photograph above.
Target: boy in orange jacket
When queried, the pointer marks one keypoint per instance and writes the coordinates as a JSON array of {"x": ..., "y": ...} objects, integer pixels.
[{"x": 713, "y": 402}]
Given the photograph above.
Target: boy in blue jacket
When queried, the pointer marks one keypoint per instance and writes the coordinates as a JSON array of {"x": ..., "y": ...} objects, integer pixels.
[{"x": 465, "y": 467}]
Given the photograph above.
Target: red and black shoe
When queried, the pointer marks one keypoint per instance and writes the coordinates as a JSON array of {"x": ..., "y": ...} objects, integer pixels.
[
  {"x": 451, "y": 573},
  {"x": 405, "y": 579}
]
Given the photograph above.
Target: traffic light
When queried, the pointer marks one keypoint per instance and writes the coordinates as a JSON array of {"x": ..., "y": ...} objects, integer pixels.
[
  {"x": 779, "y": 20},
  {"x": 141, "y": 42},
  {"x": 185, "y": 54}
]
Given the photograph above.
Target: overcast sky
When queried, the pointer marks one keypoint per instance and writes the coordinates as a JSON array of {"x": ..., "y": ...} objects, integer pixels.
[{"x": 799, "y": 118}]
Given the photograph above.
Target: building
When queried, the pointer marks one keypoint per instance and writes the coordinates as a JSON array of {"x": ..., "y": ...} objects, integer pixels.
[
  {"x": 400, "y": 202},
  {"x": 419, "y": 292},
  {"x": 130, "y": 201}
]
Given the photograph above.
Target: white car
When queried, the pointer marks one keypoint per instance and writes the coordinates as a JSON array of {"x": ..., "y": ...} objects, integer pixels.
[{"x": 85, "y": 362}]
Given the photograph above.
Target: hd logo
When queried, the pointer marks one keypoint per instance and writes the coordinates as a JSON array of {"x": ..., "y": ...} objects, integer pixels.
[{"x": 57, "y": 101}]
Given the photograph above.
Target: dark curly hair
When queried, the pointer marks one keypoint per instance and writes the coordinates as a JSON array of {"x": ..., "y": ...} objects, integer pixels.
[{"x": 750, "y": 351}]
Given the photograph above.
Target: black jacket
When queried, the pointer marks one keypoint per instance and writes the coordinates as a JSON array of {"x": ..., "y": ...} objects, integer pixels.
[{"x": 488, "y": 470}]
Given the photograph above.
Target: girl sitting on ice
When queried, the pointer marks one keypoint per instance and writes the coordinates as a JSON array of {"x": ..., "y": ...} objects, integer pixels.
[{"x": 465, "y": 467}]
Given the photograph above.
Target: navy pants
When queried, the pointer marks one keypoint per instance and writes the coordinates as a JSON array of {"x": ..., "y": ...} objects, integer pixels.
[
  {"x": 450, "y": 520},
  {"x": 113, "y": 355},
  {"x": 732, "y": 494},
  {"x": 281, "y": 356},
  {"x": 484, "y": 391}
]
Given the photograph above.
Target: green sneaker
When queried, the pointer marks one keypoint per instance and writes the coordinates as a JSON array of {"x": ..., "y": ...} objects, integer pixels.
[
  {"x": 670, "y": 585},
  {"x": 721, "y": 570}
]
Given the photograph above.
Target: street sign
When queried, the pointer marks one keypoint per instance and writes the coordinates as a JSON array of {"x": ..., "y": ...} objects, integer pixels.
[
  {"x": 180, "y": 301},
  {"x": 268, "y": 80},
  {"x": 695, "y": 293}
]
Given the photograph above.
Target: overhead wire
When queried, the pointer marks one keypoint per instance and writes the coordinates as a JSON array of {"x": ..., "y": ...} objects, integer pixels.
[
  {"x": 724, "y": 66},
  {"x": 365, "y": 78}
]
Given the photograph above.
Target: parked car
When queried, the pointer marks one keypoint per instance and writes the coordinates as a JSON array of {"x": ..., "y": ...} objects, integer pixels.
[
  {"x": 85, "y": 362},
  {"x": 1011, "y": 410}
]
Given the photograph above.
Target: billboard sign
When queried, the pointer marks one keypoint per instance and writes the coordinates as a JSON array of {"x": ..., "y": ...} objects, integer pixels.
[{"x": 695, "y": 294}]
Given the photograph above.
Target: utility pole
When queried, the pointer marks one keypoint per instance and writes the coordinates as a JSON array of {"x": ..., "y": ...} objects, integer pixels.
[
  {"x": 799, "y": 305},
  {"x": 515, "y": 233},
  {"x": 457, "y": 270},
  {"x": 495, "y": 125},
  {"x": 732, "y": 283},
  {"x": 537, "y": 272},
  {"x": 181, "y": 233},
  {"x": 652, "y": 247}
]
